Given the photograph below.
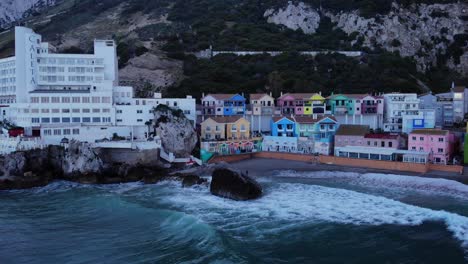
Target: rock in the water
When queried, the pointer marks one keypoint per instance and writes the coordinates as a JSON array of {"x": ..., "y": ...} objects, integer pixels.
[
  {"x": 230, "y": 184},
  {"x": 191, "y": 180}
]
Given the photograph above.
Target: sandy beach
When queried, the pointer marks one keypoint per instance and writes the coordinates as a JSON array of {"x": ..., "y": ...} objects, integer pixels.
[{"x": 263, "y": 167}]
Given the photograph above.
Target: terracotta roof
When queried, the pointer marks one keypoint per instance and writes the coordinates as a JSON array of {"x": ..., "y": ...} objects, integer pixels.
[
  {"x": 258, "y": 96},
  {"x": 306, "y": 119},
  {"x": 225, "y": 119},
  {"x": 352, "y": 130},
  {"x": 298, "y": 96},
  {"x": 278, "y": 118},
  {"x": 382, "y": 136},
  {"x": 430, "y": 132},
  {"x": 222, "y": 96},
  {"x": 459, "y": 89},
  {"x": 329, "y": 116}
]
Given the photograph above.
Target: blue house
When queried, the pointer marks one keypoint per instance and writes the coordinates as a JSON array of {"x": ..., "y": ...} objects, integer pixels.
[
  {"x": 325, "y": 130},
  {"x": 282, "y": 126},
  {"x": 234, "y": 105}
]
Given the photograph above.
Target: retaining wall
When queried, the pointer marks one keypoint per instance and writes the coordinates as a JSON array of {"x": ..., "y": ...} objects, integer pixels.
[{"x": 374, "y": 164}]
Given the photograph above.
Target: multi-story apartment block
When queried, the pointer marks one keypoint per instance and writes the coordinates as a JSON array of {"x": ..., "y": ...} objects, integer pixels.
[
  {"x": 438, "y": 143},
  {"x": 402, "y": 113},
  {"x": 442, "y": 104},
  {"x": 76, "y": 96},
  {"x": 302, "y": 104},
  {"x": 223, "y": 104},
  {"x": 460, "y": 103}
]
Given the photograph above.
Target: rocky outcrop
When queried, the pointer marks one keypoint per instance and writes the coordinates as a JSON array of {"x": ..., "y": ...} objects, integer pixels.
[
  {"x": 233, "y": 185},
  {"x": 419, "y": 31},
  {"x": 191, "y": 180},
  {"x": 295, "y": 16},
  {"x": 150, "y": 68},
  {"x": 176, "y": 131},
  {"x": 12, "y": 10},
  {"x": 77, "y": 162}
]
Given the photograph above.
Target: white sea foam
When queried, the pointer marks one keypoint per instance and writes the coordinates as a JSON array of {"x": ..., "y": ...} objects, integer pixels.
[
  {"x": 296, "y": 204},
  {"x": 421, "y": 184}
]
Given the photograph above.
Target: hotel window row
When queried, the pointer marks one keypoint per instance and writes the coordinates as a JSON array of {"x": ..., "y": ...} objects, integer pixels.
[
  {"x": 66, "y": 110},
  {"x": 56, "y": 120},
  {"x": 69, "y": 61},
  {"x": 60, "y": 132},
  {"x": 56, "y": 99}
]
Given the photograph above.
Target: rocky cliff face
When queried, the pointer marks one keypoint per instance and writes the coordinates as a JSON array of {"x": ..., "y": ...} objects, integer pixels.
[
  {"x": 177, "y": 133},
  {"x": 295, "y": 16},
  {"x": 420, "y": 31},
  {"x": 12, "y": 10}
]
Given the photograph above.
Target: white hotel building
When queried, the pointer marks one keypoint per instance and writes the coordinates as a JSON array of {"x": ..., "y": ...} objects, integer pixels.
[{"x": 76, "y": 96}]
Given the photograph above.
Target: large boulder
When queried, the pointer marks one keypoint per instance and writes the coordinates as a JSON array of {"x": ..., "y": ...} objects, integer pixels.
[
  {"x": 233, "y": 185},
  {"x": 177, "y": 133},
  {"x": 191, "y": 180}
]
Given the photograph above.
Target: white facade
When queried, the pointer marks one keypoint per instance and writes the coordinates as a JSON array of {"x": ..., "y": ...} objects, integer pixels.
[
  {"x": 76, "y": 96},
  {"x": 397, "y": 107}
]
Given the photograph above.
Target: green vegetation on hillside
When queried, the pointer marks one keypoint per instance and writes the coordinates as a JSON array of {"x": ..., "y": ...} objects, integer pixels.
[{"x": 292, "y": 72}]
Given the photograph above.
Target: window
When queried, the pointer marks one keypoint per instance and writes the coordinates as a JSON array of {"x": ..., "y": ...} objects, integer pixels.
[
  {"x": 35, "y": 120},
  {"x": 57, "y": 132},
  {"x": 76, "y": 120},
  {"x": 76, "y": 131},
  {"x": 76, "y": 100},
  {"x": 86, "y": 119},
  {"x": 421, "y": 138},
  {"x": 106, "y": 100},
  {"x": 86, "y": 110},
  {"x": 55, "y": 111},
  {"x": 96, "y": 120},
  {"x": 66, "y": 111},
  {"x": 75, "y": 110},
  {"x": 413, "y": 148},
  {"x": 390, "y": 144},
  {"x": 34, "y": 100},
  {"x": 440, "y": 150},
  {"x": 85, "y": 99},
  {"x": 413, "y": 138},
  {"x": 421, "y": 149},
  {"x": 139, "y": 111},
  {"x": 65, "y": 120},
  {"x": 47, "y": 132},
  {"x": 96, "y": 100},
  {"x": 55, "y": 119},
  {"x": 119, "y": 111},
  {"x": 45, "y": 120},
  {"x": 106, "y": 119},
  {"x": 382, "y": 144},
  {"x": 45, "y": 111},
  {"x": 106, "y": 110},
  {"x": 139, "y": 120},
  {"x": 96, "y": 110},
  {"x": 441, "y": 139},
  {"x": 375, "y": 143},
  {"x": 44, "y": 100},
  {"x": 368, "y": 143},
  {"x": 119, "y": 120},
  {"x": 66, "y": 100},
  {"x": 66, "y": 132}
]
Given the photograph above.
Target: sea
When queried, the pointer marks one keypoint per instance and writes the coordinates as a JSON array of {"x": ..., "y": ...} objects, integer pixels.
[{"x": 303, "y": 217}]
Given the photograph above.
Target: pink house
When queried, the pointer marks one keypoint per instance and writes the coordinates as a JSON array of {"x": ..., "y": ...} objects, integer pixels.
[{"x": 438, "y": 143}]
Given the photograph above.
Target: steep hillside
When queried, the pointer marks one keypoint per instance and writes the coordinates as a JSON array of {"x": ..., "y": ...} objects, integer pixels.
[
  {"x": 410, "y": 44},
  {"x": 13, "y": 10}
]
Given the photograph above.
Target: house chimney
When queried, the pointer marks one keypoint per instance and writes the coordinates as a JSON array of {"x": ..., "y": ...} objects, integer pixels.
[
  {"x": 203, "y": 95},
  {"x": 320, "y": 93},
  {"x": 281, "y": 93},
  {"x": 271, "y": 94},
  {"x": 453, "y": 84}
]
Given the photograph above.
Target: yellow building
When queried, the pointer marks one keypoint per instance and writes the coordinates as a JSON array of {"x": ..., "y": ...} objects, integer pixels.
[
  {"x": 225, "y": 128},
  {"x": 316, "y": 105}
]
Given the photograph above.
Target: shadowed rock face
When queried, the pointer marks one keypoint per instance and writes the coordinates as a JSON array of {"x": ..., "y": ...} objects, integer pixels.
[
  {"x": 233, "y": 185},
  {"x": 191, "y": 180}
]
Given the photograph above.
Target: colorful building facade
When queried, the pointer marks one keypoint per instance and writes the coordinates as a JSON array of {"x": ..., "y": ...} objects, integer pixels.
[
  {"x": 223, "y": 104},
  {"x": 438, "y": 143}
]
